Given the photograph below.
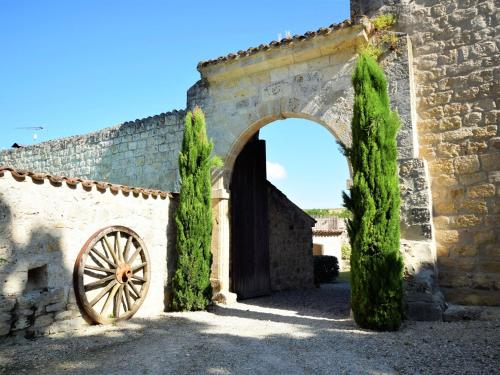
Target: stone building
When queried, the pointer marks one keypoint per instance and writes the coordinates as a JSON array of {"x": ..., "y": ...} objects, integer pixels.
[
  {"x": 329, "y": 234},
  {"x": 290, "y": 243},
  {"x": 443, "y": 81}
]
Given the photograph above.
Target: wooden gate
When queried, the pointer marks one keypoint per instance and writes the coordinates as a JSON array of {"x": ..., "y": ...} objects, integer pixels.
[{"x": 250, "y": 274}]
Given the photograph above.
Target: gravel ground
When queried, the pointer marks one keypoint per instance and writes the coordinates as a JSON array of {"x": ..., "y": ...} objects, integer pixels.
[{"x": 299, "y": 332}]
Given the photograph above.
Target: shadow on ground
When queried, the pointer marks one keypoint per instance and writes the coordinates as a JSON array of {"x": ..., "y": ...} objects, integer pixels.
[{"x": 301, "y": 332}]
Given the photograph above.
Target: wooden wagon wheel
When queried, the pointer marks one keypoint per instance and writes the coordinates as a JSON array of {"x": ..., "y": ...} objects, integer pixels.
[{"x": 111, "y": 275}]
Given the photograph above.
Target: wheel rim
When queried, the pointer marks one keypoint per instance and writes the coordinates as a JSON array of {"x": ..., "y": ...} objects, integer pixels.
[{"x": 111, "y": 275}]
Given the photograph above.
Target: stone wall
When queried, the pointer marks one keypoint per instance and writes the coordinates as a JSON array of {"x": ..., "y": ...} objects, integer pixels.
[
  {"x": 136, "y": 153},
  {"x": 43, "y": 225},
  {"x": 455, "y": 48},
  {"x": 290, "y": 243}
]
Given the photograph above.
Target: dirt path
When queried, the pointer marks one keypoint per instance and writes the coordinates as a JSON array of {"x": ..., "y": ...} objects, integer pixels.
[{"x": 303, "y": 332}]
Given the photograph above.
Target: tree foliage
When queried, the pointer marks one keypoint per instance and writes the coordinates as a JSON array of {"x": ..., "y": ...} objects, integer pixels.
[
  {"x": 328, "y": 212},
  {"x": 191, "y": 281},
  {"x": 376, "y": 263}
]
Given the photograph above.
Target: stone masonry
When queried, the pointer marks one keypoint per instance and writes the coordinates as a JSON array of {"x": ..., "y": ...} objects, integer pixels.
[
  {"x": 290, "y": 243},
  {"x": 443, "y": 82},
  {"x": 310, "y": 77},
  {"x": 135, "y": 153},
  {"x": 44, "y": 222},
  {"x": 456, "y": 54},
  {"x": 305, "y": 76}
]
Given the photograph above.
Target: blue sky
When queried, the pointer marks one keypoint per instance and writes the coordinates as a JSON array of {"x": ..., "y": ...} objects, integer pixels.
[{"x": 74, "y": 67}]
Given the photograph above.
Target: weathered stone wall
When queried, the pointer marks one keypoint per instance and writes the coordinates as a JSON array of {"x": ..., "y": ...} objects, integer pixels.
[
  {"x": 455, "y": 48},
  {"x": 45, "y": 224},
  {"x": 136, "y": 153},
  {"x": 290, "y": 243},
  {"x": 310, "y": 77}
]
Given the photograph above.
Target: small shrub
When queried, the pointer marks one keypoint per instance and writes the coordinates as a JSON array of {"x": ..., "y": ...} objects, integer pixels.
[
  {"x": 384, "y": 21},
  {"x": 382, "y": 38},
  {"x": 345, "y": 251},
  {"x": 326, "y": 269}
]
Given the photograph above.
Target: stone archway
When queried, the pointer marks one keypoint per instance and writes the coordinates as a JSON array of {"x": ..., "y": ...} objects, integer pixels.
[{"x": 310, "y": 77}]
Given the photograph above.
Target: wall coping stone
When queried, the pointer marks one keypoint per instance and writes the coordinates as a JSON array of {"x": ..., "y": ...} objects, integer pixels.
[{"x": 57, "y": 181}]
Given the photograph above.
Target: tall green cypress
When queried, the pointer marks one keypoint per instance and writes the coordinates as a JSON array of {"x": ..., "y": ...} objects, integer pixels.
[
  {"x": 191, "y": 281},
  {"x": 376, "y": 262}
]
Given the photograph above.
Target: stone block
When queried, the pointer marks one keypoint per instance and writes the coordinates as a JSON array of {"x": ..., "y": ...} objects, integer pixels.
[
  {"x": 491, "y": 266},
  {"x": 455, "y": 313},
  {"x": 7, "y": 303},
  {"x": 55, "y": 307},
  {"x": 466, "y": 164},
  {"x": 448, "y": 150},
  {"x": 472, "y": 206},
  {"x": 465, "y": 221},
  {"x": 21, "y": 322},
  {"x": 442, "y": 166},
  {"x": 481, "y": 191},
  {"x": 67, "y": 314},
  {"x": 447, "y": 236},
  {"x": 490, "y": 162},
  {"x": 484, "y": 132},
  {"x": 442, "y": 250},
  {"x": 473, "y": 119},
  {"x": 424, "y": 311},
  {"x": 43, "y": 321},
  {"x": 484, "y": 236},
  {"x": 5, "y": 327},
  {"x": 473, "y": 178},
  {"x": 464, "y": 250}
]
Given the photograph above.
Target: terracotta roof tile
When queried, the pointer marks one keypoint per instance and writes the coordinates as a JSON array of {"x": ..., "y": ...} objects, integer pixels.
[
  {"x": 277, "y": 43},
  {"x": 328, "y": 226},
  {"x": 36, "y": 177}
]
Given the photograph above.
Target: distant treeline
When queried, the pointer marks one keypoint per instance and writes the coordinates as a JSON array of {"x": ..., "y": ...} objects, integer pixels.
[{"x": 328, "y": 212}]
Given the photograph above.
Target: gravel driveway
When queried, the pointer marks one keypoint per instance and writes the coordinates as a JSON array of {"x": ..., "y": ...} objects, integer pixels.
[{"x": 299, "y": 332}]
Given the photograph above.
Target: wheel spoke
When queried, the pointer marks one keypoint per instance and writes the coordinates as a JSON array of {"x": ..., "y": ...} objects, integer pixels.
[
  {"x": 117, "y": 302},
  {"x": 106, "y": 270},
  {"x": 127, "y": 247},
  {"x": 102, "y": 293},
  {"x": 134, "y": 289},
  {"x": 124, "y": 303},
  {"x": 110, "y": 250},
  {"x": 138, "y": 278},
  {"x": 93, "y": 274},
  {"x": 96, "y": 261},
  {"x": 98, "y": 283},
  {"x": 132, "y": 258},
  {"x": 103, "y": 257},
  {"x": 137, "y": 268},
  {"x": 111, "y": 295},
  {"x": 117, "y": 249},
  {"x": 127, "y": 297}
]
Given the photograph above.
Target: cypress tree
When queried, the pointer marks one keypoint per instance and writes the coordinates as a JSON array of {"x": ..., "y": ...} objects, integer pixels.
[
  {"x": 376, "y": 262},
  {"x": 191, "y": 281}
]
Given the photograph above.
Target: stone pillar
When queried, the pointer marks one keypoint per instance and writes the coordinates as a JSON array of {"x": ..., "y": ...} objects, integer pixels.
[{"x": 221, "y": 244}]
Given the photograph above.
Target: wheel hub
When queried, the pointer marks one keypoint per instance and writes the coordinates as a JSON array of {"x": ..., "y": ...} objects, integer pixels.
[{"x": 123, "y": 273}]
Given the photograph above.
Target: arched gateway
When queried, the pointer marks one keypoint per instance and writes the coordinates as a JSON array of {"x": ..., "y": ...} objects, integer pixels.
[
  {"x": 310, "y": 77},
  {"x": 306, "y": 76}
]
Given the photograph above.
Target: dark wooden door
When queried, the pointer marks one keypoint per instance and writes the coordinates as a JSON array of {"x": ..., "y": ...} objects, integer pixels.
[{"x": 250, "y": 275}]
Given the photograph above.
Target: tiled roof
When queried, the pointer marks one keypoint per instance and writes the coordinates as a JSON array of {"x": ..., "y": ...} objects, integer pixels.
[
  {"x": 329, "y": 226},
  {"x": 20, "y": 174},
  {"x": 277, "y": 43}
]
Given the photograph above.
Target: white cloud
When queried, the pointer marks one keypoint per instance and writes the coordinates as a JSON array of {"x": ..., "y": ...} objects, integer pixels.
[{"x": 275, "y": 171}]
